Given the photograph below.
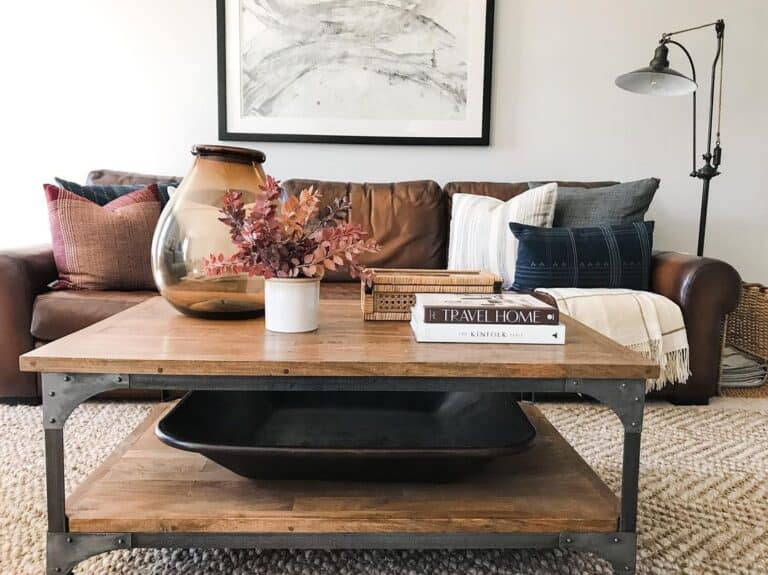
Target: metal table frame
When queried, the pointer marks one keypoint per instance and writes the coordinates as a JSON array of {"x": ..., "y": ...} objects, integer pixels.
[{"x": 62, "y": 393}]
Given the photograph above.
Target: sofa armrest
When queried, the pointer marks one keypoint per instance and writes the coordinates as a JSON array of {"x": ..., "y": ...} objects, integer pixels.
[
  {"x": 706, "y": 290},
  {"x": 24, "y": 273}
]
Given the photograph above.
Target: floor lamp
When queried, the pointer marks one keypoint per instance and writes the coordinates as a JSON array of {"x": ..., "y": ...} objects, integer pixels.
[{"x": 661, "y": 80}]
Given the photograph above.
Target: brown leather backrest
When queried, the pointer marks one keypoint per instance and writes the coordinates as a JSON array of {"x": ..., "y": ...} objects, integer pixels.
[
  {"x": 499, "y": 190},
  {"x": 507, "y": 190},
  {"x": 115, "y": 177},
  {"x": 408, "y": 219}
]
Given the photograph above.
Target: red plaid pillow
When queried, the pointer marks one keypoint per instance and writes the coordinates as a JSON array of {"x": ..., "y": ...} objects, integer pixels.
[{"x": 103, "y": 247}]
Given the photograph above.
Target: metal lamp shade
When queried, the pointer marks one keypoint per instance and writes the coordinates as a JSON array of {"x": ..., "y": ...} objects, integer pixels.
[{"x": 656, "y": 82}]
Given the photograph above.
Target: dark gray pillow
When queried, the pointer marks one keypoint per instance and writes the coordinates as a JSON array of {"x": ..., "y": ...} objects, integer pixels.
[{"x": 623, "y": 203}]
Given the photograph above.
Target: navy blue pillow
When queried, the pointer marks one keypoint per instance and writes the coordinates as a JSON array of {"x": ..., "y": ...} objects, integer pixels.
[
  {"x": 102, "y": 195},
  {"x": 601, "y": 257}
]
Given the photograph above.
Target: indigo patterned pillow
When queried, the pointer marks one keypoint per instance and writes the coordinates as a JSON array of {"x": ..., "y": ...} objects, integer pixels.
[
  {"x": 102, "y": 195},
  {"x": 600, "y": 257}
]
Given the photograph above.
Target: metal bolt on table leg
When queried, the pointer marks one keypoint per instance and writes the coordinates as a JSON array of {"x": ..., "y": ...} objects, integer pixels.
[
  {"x": 625, "y": 399},
  {"x": 62, "y": 393},
  {"x": 65, "y": 550},
  {"x": 618, "y": 549}
]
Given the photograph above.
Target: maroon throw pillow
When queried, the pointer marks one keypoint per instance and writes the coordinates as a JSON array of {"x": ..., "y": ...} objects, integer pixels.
[{"x": 103, "y": 247}]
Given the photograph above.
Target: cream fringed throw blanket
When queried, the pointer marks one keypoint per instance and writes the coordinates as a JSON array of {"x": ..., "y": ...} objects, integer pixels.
[{"x": 645, "y": 322}]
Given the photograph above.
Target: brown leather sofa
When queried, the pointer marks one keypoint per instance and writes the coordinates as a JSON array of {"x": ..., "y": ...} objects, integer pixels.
[{"x": 409, "y": 219}]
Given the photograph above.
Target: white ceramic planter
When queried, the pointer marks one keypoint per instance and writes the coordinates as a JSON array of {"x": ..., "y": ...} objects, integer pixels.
[{"x": 291, "y": 305}]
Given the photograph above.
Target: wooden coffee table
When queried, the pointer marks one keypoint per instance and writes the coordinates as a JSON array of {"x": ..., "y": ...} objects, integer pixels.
[{"x": 149, "y": 495}]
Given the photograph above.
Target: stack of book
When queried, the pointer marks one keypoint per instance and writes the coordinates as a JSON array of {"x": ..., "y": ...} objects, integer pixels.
[{"x": 500, "y": 318}]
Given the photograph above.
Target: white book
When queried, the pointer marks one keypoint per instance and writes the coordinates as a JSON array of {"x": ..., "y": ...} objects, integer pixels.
[{"x": 468, "y": 333}]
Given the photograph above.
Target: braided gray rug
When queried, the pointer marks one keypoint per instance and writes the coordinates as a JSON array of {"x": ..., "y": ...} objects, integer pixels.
[{"x": 703, "y": 501}]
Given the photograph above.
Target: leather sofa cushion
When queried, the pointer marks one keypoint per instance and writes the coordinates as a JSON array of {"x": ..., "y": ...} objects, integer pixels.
[
  {"x": 507, "y": 190},
  {"x": 115, "y": 177},
  {"x": 503, "y": 191},
  {"x": 59, "y": 313},
  {"x": 408, "y": 219}
]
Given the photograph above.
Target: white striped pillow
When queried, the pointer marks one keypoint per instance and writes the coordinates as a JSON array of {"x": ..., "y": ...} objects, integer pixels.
[{"x": 480, "y": 238}]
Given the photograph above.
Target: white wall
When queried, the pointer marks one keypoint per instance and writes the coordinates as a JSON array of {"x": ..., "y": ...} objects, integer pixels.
[{"x": 132, "y": 85}]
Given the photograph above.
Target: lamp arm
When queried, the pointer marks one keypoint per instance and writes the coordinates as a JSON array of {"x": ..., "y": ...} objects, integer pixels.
[
  {"x": 720, "y": 38},
  {"x": 684, "y": 30},
  {"x": 665, "y": 40},
  {"x": 712, "y": 161}
]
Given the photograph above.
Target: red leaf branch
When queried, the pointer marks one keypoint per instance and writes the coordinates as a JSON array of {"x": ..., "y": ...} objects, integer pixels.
[{"x": 288, "y": 239}]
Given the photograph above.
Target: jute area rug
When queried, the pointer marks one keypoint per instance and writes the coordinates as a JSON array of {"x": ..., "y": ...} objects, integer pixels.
[
  {"x": 745, "y": 392},
  {"x": 703, "y": 501}
]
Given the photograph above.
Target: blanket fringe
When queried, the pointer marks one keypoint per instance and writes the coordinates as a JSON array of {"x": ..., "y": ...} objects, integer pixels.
[{"x": 674, "y": 365}]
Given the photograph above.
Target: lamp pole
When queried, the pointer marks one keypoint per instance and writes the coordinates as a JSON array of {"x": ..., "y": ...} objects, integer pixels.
[
  {"x": 712, "y": 158},
  {"x": 659, "y": 78}
]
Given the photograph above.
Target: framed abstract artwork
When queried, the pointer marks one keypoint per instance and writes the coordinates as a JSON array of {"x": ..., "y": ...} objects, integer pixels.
[{"x": 346, "y": 71}]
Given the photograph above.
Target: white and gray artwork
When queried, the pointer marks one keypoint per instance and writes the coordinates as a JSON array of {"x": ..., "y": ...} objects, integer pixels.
[{"x": 354, "y": 59}]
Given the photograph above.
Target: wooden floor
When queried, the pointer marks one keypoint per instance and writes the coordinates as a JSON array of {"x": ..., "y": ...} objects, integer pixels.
[{"x": 146, "y": 486}]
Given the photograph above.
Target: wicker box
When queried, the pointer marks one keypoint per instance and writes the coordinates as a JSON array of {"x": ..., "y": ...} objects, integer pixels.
[
  {"x": 748, "y": 325},
  {"x": 390, "y": 294}
]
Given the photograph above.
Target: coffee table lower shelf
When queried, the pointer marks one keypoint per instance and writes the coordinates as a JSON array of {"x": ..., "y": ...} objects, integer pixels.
[{"x": 148, "y": 487}]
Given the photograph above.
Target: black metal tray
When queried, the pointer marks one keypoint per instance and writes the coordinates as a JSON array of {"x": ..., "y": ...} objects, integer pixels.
[{"x": 408, "y": 436}]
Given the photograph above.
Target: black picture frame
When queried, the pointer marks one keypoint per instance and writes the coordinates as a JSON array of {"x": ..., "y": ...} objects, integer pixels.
[{"x": 226, "y": 135}]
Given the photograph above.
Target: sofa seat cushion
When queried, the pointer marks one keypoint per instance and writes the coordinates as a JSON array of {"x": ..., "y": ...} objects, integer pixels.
[{"x": 59, "y": 313}]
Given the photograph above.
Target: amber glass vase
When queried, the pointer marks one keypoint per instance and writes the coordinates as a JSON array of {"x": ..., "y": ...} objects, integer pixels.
[{"x": 189, "y": 230}]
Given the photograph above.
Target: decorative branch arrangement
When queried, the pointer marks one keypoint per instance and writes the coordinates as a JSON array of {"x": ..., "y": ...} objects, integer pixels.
[{"x": 289, "y": 239}]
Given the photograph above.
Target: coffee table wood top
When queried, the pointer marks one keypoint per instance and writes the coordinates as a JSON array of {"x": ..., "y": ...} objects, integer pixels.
[{"x": 153, "y": 338}]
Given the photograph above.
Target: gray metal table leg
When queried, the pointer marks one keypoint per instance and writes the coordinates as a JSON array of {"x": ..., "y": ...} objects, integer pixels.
[
  {"x": 61, "y": 395},
  {"x": 627, "y": 400},
  {"x": 630, "y": 477},
  {"x": 54, "y": 480}
]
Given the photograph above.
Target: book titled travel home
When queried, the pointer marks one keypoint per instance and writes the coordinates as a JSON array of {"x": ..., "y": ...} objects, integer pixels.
[
  {"x": 491, "y": 333},
  {"x": 484, "y": 309}
]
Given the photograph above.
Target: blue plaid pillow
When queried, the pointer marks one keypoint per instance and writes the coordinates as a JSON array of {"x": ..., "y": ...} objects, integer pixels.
[
  {"x": 102, "y": 195},
  {"x": 601, "y": 257}
]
